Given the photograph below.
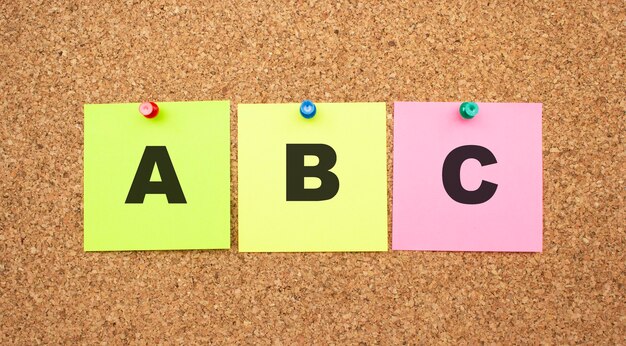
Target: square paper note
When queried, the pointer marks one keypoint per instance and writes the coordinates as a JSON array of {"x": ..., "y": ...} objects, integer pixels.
[
  {"x": 315, "y": 184},
  {"x": 467, "y": 185},
  {"x": 157, "y": 184}
]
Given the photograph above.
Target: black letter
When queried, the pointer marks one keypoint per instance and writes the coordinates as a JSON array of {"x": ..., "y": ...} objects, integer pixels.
[
  {"x": 297, "y": 171},
  {"x": 452, "y": 174},
  {"x": 168, "y": 185}
]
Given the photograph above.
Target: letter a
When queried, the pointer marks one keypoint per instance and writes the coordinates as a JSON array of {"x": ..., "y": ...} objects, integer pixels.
[{"x": 168, "y": 185}]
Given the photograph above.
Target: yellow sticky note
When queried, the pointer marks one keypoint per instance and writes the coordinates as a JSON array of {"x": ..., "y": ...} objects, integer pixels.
[
  {"x": 157, "y": 184},
  {"x": 316, "y": 184}
]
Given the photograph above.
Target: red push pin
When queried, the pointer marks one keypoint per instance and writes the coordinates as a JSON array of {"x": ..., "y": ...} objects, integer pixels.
[{"x": 149, "y": 109}]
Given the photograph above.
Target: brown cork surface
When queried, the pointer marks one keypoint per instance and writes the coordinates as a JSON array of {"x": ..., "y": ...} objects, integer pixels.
[{"x": 56, "y": 56}]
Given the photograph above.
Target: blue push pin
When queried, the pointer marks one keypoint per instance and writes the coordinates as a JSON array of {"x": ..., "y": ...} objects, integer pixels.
[
  {"x": 468, "y": 110},
  {"x": 308, "y": 109}
]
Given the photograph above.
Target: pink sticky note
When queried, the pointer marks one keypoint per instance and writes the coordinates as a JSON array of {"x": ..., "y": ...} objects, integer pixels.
[{"x": 446, "y": 209}]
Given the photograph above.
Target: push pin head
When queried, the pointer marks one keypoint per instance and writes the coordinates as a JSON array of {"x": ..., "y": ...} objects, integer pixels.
[
  {"x": 308, "y": 109},
  {"x": 468, "y": 110},
  {"x": 149, "y": 109}
]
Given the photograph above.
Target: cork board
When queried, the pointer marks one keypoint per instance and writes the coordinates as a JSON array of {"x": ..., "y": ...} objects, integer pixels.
[{"x": 57, "y": 56}]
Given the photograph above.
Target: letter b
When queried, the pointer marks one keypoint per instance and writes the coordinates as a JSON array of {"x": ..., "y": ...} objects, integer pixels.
[{"x": 297, "y": 171}]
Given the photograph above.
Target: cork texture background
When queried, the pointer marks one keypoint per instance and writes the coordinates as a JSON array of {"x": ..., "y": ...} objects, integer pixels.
[{"x": 58, "y": 55}]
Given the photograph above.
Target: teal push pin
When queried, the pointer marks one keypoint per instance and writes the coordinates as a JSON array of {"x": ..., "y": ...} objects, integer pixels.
[
  {"x": 308, "y": 109},
  {"x": 468, "y": 110}
]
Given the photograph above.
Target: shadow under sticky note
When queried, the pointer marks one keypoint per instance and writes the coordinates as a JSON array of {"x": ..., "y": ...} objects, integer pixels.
[
  {"x": 196, "y": 136},
  {"x": 348, "y": 137},
  {"x": 440, "y": 209}
]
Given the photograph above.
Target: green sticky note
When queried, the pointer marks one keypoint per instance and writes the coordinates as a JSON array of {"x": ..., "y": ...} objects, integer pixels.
[
  {"x": 157, "y": 184},
  {"x": 316, "y": 212}
]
